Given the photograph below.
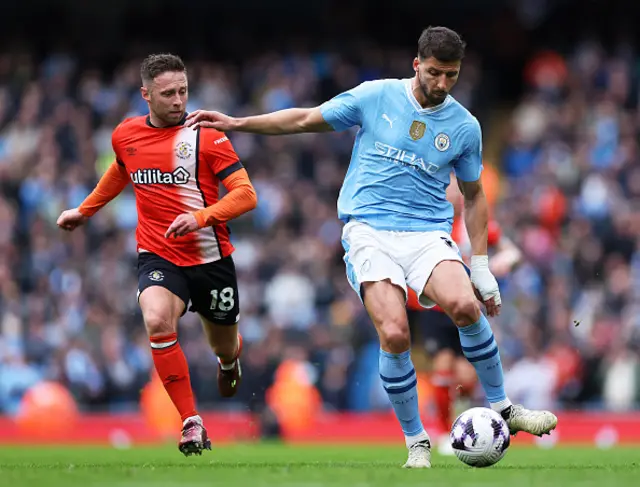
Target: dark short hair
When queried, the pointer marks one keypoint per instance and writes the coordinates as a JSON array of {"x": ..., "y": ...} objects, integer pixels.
[
  {"x": 156, "y": 64},
  {"x": 441, "y": 43}
]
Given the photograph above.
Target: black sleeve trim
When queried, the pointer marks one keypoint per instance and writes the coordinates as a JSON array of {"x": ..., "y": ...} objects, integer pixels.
[{"x": 228, "y": 171}]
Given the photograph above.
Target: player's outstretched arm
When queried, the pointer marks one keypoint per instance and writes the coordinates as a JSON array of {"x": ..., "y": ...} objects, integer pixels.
[
  {"x": 111, "y": 184},
  {"x": 289, "y": 121},
  {"x": 476, "y": 219}
]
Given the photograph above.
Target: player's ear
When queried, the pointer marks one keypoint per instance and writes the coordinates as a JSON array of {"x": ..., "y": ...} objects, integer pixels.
[
  {"x": 144, "y": 91},
  {"x": 416, "y": 64}
]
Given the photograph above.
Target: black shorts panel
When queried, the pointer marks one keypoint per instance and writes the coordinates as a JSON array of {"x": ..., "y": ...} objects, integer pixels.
[
  {"x": 438, "y": 332},
  {"x": 214, "y": 291},
  {"x": 153, "y": 270},
  {"x": 211, "y": 289}
]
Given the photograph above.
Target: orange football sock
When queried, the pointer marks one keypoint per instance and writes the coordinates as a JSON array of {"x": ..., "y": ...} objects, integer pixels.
[
  {"x": 443, "y": 400},
  {"x": 173, "y": 370}
]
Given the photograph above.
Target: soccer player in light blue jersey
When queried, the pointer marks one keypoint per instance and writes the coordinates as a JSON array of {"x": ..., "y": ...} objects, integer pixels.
[{"x": 413, "y": 133}]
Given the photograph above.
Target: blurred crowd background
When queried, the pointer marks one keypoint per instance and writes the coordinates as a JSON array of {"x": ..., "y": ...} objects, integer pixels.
[{"x": 561, "y": 124}]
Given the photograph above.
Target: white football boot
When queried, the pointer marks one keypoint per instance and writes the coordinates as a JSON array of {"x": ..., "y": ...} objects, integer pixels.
[
  {"x": 419, "y": 455},
  {"x": 530, "y": 421}
]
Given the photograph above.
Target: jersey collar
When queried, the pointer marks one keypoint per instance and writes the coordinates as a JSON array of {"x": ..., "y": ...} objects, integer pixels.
[
  {"x": 181, "y": 122},
  {"x": 417, "y": 106}
]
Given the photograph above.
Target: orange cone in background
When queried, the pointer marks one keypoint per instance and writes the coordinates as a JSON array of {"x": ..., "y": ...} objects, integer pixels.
[
  {"x": 158, "y": 410},
  {"x": 47, "y": 409}
]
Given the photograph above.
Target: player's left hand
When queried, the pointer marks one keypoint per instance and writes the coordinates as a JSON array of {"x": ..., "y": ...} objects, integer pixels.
[
  {"x": 182, "y": 225},
  {"x": 485, "y": 284}
]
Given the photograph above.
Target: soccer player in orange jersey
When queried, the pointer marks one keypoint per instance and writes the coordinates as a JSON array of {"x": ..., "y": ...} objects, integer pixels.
[
  {"x": 184, "y": 252},
  {"x": 436, "y": 328}
]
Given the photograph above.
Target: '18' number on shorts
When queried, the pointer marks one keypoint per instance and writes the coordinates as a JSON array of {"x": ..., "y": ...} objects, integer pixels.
[{"x": 222, "y": 300}]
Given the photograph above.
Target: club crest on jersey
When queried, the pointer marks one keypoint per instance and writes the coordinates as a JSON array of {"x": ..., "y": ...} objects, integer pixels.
[
  {"x": 156, "y": 276},
  {"x": 417, "y": 129},
  {"x": 155, "y": 176},
  {"x": 184, "y": 150},
  {"x": 442, "y": 142}
]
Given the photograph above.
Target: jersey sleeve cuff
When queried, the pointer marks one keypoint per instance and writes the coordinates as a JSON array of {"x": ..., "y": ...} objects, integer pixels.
[
  {"x": 200, "y": 218},
  {"x": 85, "y": 211},
  {"x": 328, "y": 113},
  {"x": 464, "y": 175}
]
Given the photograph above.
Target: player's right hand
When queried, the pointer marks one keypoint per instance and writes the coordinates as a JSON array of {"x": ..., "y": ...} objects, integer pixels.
[
  {"x": 216, "y": 120},
  {"x": 485, "y": 284},
  {"x": 69, "y": 220}
]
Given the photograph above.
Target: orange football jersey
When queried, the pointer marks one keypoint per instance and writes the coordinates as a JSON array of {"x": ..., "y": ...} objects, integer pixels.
[{"x": 175, "y": 170}]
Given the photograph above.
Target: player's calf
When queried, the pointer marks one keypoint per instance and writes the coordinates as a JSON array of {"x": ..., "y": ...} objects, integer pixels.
[
  {"x": 161, "y": 310},
  {"x": 223, "y": 340},
  {"x": 173, "y": 370},
  {"x": 385, "y": 305},
  {"x": 480, "y": 348},
  {"x": 450, "y": 287},
  {"x": 230, "y": 372},
  {"x": 226, "y": 343}
]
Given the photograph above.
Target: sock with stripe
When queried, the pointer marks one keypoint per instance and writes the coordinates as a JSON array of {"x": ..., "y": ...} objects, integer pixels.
[
  {"x": 399, "y": 380},
  {"x": 481, "y": 350},
  {"x": 173, "y": 370}
]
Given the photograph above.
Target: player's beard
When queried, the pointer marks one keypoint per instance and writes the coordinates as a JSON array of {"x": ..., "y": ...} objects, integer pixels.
[
  {"x": 164, "y": 114},
  {"x": 174, "y": 118},
  {"x": 168, "y": 118},
  {"x": 432, "y": 98}
]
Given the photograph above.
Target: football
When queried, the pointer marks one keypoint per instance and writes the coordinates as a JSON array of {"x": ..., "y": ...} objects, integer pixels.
[{"x": 480, "y": 437}]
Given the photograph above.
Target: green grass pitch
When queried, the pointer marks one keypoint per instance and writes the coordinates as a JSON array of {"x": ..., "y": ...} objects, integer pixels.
[{"x": 258, "y": 465}]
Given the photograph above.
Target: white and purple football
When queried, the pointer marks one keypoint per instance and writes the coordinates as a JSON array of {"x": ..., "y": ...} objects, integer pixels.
[{"x": 480, "y": 437}]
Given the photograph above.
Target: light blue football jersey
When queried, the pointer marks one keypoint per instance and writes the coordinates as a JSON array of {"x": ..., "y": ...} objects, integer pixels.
[{"x": 403, "y": 155}]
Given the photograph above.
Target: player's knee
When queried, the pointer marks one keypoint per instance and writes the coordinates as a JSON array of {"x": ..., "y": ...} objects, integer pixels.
[
  {"x": 395, "y": 336},
  {"x": 158, "y": 324},
  {"x": 464, "y": 311}
]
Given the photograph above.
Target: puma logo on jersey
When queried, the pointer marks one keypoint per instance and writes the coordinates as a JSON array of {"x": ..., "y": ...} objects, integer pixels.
[
  {"x": 386, "y": 117},
  {"x": 156, "y": 176}
]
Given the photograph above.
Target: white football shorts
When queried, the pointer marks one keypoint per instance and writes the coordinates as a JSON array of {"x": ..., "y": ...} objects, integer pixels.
[{"x": 405, "y": 258}]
